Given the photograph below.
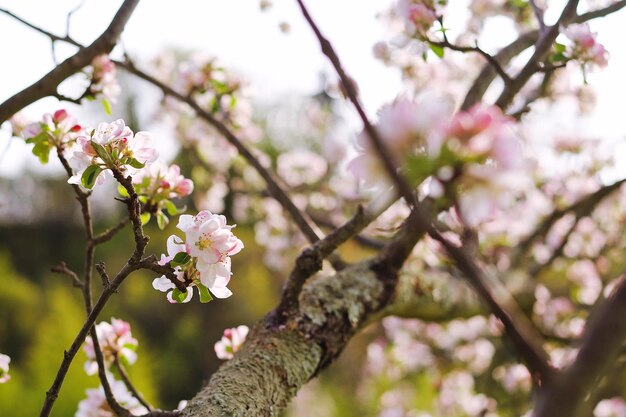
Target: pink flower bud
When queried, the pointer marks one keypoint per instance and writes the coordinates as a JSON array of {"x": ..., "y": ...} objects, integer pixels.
[{"x": 59, "y": 115}]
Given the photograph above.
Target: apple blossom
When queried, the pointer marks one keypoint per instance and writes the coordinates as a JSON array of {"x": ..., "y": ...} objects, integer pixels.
[
  {"x": 203, "y": 261},
  {"x": 231, "y": 341},
  {"x": 418, "y": 15},
  {"x": 404, "y": 126},
  {"x": 96, "y": 405},
  {"x": 156, "y": 185},
  {"x": 4, "y": 368},
  {"x": 110, "y": 146},
  {"x": 103, "y": 79},
  {"x": 610, "y": 407},
  {"x": 57, "y": 130},
  {"x": 115, "y": 340},
  {"x": 585, "y": 47},
  {"x": 209, "y": 238}
]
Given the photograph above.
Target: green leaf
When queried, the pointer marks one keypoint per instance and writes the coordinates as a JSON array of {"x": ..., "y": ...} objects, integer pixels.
[
  {"x": 162, "y": 220},
  {"x": 420, "y": 167},
  {"x": 122, "y": 191},
  {"x": 181, "y": 258},
  {"x": 90, "y": 176},
  {"x": 41, "y": 137},
  {"x": 107, "y": 106},
  {"x": 145, "y": 218},
  {"x": 102, "y": 153},
  {"x": 135, "y": 163},
  {"x": 178, "y": 295},
  {"x": 171, "y": 208},
  {"x": 143, "y": 199},
  {"x": 438, "y": 50},
  {"x": 42, "y": 151},
  {"x": 205, "y": 295},
  {"x": 559, "y": 48}
]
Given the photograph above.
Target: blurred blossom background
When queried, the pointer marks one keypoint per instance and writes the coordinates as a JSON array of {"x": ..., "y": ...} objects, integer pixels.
[{"x": 290, "y": 109}]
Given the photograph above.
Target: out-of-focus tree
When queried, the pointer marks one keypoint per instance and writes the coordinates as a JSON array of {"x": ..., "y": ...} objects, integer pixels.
[{"x": 489, "y": 255}]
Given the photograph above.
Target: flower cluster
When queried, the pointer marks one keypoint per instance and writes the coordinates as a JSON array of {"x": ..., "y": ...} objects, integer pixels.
[
  {"x": 110, "y": 146},
  {"x": 5, "y": 360},
  {"x": 103, "y": 79},
  {"x": 468, "y": 159},
  {"x": 479, "y": 154},
  {"x": 116, "y": 343},
  {"x": 57, "y": 130},
  {"x": 585, "y": 48},
  {"x": 96, "y": 405},
  {"x": 203, "y": 261},
  {"x": 231, "y": 341},
  {"x": 156, "y": 185},
  {"x": 418, "y": 15},
  {"x": 404, "y": 126}
]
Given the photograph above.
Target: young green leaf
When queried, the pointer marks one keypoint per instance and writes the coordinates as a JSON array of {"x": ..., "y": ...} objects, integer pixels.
[
  {"x": 205, "y": 295},
  {"x": 438, "y": 50},
  {"x": 145, "y": 218},
  {"x": 107, "y": 106},
  {"x": 88, "y": 180},
  {"x": 178, "y": 295},
  {"x": 162, "y": 219},
  {"x": 180, "y": 258}
]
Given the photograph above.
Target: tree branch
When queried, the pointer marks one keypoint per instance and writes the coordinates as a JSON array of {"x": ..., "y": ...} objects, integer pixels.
[
  {"x": 601, "y": 343},
  {"x": 47, "y": 85}
]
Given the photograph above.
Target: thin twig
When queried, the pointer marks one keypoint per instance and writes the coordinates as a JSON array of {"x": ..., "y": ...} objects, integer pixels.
[
  {"x": 129, "y": 384},
  {"x": 109, "y": 233},
  {"x": 542, "y": 48},
  {"x": 63, "y": 269},
  {"x": 386, "y": 157},
  {"x": 491, "y": 60}
]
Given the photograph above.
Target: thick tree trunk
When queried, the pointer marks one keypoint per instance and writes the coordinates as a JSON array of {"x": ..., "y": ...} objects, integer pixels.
[{"x": 282, "y": 355}]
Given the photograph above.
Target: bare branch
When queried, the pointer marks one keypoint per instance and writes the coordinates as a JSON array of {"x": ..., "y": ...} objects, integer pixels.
[
  {"x": 109, "y": 233},
  {"x": 63, "y": 269},
  {"x": 386, "y": 157},
  {"x": 542, "y": 48},
  {"x": 129, "y": 384},
  {"x": 519, "y": 328},
  {"x": 47, "y": 85}
]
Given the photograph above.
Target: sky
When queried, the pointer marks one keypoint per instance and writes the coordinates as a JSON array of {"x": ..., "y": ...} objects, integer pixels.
[{"x": 251, "y": 42}]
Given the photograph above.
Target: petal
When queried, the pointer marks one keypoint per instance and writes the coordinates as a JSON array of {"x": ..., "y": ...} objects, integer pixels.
[{"x": 163, "y": 284}]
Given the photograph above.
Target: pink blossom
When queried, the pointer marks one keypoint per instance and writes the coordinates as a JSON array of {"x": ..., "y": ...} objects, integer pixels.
[
  {"x": 5, "y": 360},
  {"x": 404, "y": 126},
  {"x": 123, "y": 148},
  {"x": 231, "y": 342},
  {"x": 210, "y": 244},
  {"x": 585, "y": 47},
  {"x": 484, "y": 131},
  {"x": 115, "y": 340},
  {"x": 162, "y": 181},
  {"x": 209, "y": 238},
  {"x": 60, "y": 127},
  {"x": 610, "y": 407},
  {"x": 95, "y": 405},
  {"x": 103, "y": 79},
  {"x": 418, "y": 17}
]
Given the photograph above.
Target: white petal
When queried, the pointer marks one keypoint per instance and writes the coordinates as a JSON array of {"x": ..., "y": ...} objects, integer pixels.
[{"x": 163, "y": 284}]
